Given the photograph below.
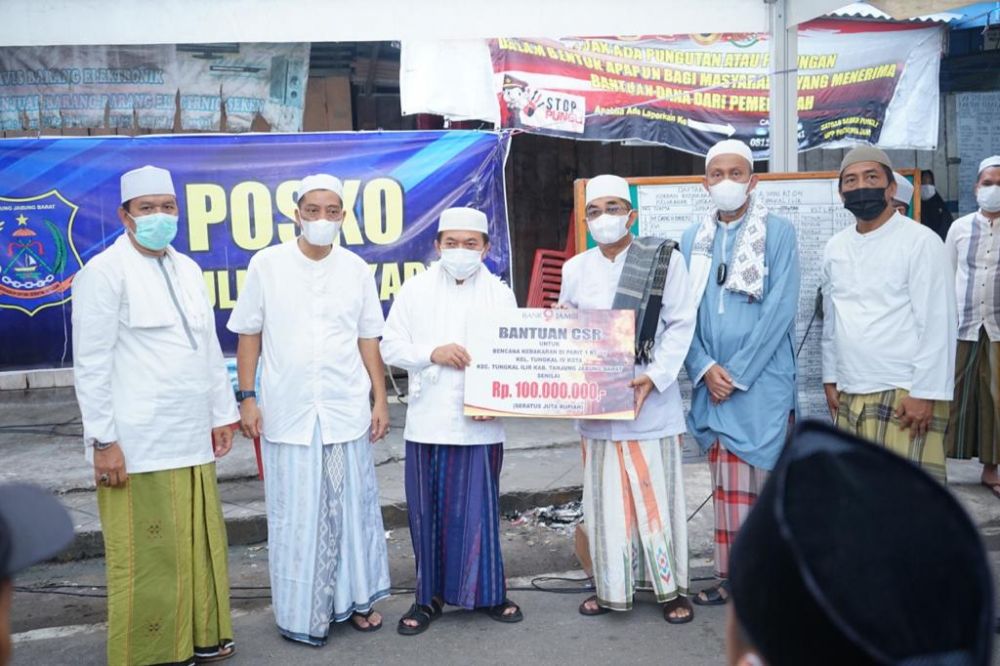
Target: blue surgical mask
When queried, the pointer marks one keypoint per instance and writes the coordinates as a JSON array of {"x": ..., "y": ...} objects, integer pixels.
[{"x": 155, "y": 232}]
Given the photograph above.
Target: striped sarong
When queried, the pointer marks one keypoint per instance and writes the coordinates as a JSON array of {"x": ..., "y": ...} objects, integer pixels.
[
  {"x": 736, "y": 485},
  {"x": 453, "y": 504},
  {"x": 167, "y": 575},
  {"x": 974, "y": 424},
  {"x": 633, "y": 505},
  {"x": 872, "y": 416},
  {"x": 325, "y": 540}
]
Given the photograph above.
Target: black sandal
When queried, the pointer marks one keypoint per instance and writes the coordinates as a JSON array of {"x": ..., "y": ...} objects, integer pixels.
[
  {"x": 713, "y": 595},
  {"x": 601, "y": 610},
  {"x": 422, "y": 615},
  {"x": 364, "y": 616},
  {"x": 678, "y": 604},
  {"x": 226, "y": 650},
  {"x": 498, "y": 614}
]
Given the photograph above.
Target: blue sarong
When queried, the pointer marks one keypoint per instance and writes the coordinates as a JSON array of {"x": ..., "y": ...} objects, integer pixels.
[{"x": 453, "y": 498}]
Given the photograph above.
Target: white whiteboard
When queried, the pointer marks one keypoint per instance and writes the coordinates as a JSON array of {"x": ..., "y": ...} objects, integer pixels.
[
  {"x": 978, "y": 138},
  {"x": 813, "y": 207}
]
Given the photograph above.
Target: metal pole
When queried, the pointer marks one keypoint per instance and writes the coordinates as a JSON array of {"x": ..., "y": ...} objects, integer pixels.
[{"x": 784, "y": 117}]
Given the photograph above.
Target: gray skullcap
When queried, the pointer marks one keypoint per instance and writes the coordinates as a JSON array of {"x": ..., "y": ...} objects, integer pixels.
[{"x": 865, "y": 154}]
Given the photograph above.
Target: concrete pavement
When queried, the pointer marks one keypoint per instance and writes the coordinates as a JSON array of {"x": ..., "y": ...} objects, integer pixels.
[{"x": 40, "y": 442}]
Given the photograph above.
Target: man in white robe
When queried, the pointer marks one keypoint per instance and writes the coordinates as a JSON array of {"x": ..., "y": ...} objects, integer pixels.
[
  {"x": 309, "y": 309},
  {"x": 453, "y": 461},
  {"x": 889, "y": 324},
  {"x": 157, "y": 408},
  {"x": 633, "y": 486}
]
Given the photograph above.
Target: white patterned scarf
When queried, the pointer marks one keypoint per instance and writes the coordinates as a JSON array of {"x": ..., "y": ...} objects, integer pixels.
[{"x": 745, "y": 274}]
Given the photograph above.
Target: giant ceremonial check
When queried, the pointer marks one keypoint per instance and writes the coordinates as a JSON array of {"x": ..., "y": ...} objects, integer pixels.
[
  {"x": 874, "y": 82},
  {"x": 59, "y": 200},
  {"x": 552, "y": 363}
]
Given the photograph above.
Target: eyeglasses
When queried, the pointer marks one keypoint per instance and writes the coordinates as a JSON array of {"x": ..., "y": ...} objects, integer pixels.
[{"x": 614, "y": 209}]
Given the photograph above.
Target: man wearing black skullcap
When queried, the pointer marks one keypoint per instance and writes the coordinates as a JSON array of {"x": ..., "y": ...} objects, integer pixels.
[
  {"x": 848, "y": 557},
  {"x": 33, "y": 527}
]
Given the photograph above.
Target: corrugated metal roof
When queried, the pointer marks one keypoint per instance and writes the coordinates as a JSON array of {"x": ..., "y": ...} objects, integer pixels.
[{"x": 862, "y": 10}]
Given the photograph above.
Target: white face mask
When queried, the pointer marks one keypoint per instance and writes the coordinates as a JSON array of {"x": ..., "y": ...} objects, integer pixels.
[
  {"x": 728, "y": 195},
  {"x": 927, "y": 191},
  {"x": 988, "y": 198},
  {"x": 460, "y": 263},
  {"x": 608, "y": 229},
  {"x": 320, "y": 232}
]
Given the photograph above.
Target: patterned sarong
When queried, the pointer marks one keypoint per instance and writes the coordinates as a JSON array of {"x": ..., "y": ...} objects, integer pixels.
[
  {"x": 872, "y": 417},
  {"x": 453, "y": 501},
  {"x": 325, "y": 540},
  {"x": 633, "y": 505},
  {"x": 168, "y": 582},
  {"x": 736, "y": 485},
  {"x": 974, "y": 425}
]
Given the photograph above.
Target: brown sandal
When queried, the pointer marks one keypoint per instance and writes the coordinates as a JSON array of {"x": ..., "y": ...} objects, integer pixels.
[{"x": 601, "y": 610}]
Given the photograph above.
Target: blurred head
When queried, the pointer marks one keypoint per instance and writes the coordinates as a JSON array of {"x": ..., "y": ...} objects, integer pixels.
[
  {"x": 34, "y": 527},
  {"x": 835, "y": 562}
]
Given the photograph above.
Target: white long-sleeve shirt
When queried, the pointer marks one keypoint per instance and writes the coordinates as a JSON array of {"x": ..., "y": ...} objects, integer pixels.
[
  {"x": 973, "y": 246},
  {"x": 145, "y": 376},
  {"x": 889, "y": 311},
  {"x": 589, "y": 281},
  {"x": 431, "y": 310},
  {"x": 311, "y": 315}
]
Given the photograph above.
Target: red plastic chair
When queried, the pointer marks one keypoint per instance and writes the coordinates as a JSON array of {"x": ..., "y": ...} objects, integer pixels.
[{"x": 546, "y": 272}]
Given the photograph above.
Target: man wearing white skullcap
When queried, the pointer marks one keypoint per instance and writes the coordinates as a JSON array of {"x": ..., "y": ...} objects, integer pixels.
[
  {"x": 973, "y": 245},
  {"x": 744, "y": 265},
  {"x": 630, "y": 550},
  {"x": 157, "y": 409},
  {"x": 453, "y": 461},
  {"x": 310, "y": 313},
  {"x": 904, "y": 193},
  {"x": 888, "y": 319}
]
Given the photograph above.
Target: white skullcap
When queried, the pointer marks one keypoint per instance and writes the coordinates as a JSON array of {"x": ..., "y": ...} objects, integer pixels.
[
  {"x": 729, "y": 147},
  {"x": 608, "y": 186},
  {"x": 904, "y": 189},
  {"x": 463, "y": 219},
  {"x": 145, "y": 181},
  {"x": 993, "y": 161},
  {"x": 320, "y": 181}
]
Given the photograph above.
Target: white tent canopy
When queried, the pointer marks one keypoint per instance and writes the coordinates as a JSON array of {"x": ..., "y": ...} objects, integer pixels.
[
  {"x": 109, "y": 22},
  {"x": 119, "y": 22}
]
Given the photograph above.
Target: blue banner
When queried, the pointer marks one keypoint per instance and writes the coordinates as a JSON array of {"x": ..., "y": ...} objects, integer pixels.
[{"x": 59, "y": 199}]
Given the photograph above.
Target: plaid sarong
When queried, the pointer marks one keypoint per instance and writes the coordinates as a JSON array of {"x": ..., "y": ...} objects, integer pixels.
[
  {"x": 640, "y": 288},
  {"x": 872, "y": 416},
  {"x": 974, "y": 425},
  {"x": 735, "y": 487}
]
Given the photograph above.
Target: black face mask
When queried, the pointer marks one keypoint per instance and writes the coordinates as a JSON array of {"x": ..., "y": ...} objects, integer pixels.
[{"x": 866, "y": 203}]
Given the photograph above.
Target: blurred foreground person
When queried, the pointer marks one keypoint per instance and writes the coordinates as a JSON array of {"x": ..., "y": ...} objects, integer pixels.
[
  {"x": 854, "y": 555},
  {"x": 34, "y": 526}
]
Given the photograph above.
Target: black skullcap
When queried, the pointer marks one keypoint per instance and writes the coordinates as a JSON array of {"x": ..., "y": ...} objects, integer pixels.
[{"x": 854, "y": 555}]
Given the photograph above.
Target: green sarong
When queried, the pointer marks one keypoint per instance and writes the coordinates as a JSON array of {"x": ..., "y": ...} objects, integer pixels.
[{"x": 168, "y": 581}]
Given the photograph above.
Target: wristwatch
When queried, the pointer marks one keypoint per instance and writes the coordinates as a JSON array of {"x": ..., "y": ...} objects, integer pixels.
[
  {"x": 100, "y": 446},
  {"x": 243, "y": 395}
]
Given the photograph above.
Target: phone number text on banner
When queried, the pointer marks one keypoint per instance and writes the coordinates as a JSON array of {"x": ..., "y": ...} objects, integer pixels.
[
  {"x": 551, "y": 363},
  {"x": 59, "y": 199}
]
